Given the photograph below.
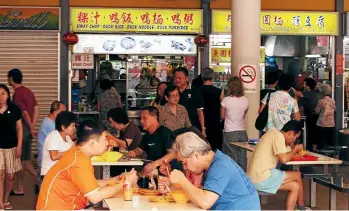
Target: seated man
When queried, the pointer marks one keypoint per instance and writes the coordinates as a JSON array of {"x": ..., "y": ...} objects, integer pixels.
[
  {"x": 156, "y": 142},
  {"x": 71, "y": 183},
  {"x": 270, "y": 150},
  {"x": 225, "y": 185}
]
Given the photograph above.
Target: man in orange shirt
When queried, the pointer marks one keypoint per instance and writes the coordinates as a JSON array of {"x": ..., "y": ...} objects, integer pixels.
[{"x": 71, "y": 183}]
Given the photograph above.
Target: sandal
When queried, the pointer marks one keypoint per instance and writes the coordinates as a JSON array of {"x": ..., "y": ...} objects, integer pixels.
[{"x": 8, "y": 206}]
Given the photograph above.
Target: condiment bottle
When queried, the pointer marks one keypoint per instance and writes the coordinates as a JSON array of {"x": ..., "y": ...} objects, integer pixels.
[{"x": 127, "y": 188}]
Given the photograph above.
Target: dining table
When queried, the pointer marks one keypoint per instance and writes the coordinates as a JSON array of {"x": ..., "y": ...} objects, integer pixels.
[
  {"x": 249, "y": 148},
  {"x": 118, "y": 203}
]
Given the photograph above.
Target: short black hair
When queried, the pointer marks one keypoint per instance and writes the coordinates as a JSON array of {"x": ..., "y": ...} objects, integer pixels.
[
  {"x": 118, "y": 115},
  {"x": 55, "y": 106},
  {"x": 272, "y": 77},
  {"x": 153, "y": 111},
  {"x": 292, "y": 125},
  {"x": 87, "y": 129},
  {"x": 8, "y": 93},
  {"x": 310, "y": 82},
  {"x": 105, "y": 84},
  {"x": 16, "y": 75},
  {"x": 65, "y": 118},
  {"x": 285, "y": 82},
  {"x": 170, "y": 88},
  {"x": 183, "y": 70}
]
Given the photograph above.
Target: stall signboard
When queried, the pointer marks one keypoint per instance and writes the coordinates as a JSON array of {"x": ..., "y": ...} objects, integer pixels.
[
  {"x": 136, "y": 44},
  {"x": 283, "y": 23},
  {"x": 82, "y": 61},
  {"x": 223, "y": 55},
  {"x": 136, "y": 20},
  {"x": 29, "y": 18}
]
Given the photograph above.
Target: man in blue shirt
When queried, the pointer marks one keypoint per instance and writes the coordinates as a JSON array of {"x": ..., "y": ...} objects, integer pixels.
[
  {"x": 47, "y": 126},
  {"x": 225, "y": 185}
]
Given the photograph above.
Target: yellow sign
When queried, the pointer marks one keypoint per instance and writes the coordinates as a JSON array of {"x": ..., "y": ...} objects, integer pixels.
[
  {"x": 136, "y": 20},
  {"x": 223, "y": 55},
  {"x": 283, "y": 23}
]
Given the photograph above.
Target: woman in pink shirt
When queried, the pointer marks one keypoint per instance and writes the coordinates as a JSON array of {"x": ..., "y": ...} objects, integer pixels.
[{"x": 233, "y": 110}]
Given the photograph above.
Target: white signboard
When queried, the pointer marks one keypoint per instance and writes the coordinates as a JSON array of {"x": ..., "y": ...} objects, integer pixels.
[
  {"x": 136, "y": 44},
  {"x": 248, "y": 76},
  {"x": 82, "y": 61}
]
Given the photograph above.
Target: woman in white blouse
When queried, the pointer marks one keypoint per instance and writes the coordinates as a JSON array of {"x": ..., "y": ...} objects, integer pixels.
[{"x": 58, "y": 141}]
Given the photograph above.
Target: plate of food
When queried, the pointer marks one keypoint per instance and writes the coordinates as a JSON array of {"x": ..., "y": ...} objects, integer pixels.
[
  {"x": 161, "y": 199},
  {"x": 148, "y": 192},
  {"x": 305, "y": 157}
]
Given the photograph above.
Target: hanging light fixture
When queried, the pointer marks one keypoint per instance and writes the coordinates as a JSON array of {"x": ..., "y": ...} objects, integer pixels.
[{"x": 201, "y": 41}]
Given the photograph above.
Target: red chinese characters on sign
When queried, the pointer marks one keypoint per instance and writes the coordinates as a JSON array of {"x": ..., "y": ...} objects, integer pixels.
[
  {"x": 87, "y": 58},
  {"x": 97, "y": 17},
  {"x": 215, "y": 53},
  {"x": 188, "y": 18},
  {"x": 126, "y": 18},
  {"x": 145, "y": 18},
  {"x": 114, "y": 18},
  {"x": 78, "y": 58},
  {"x": 83, "y": 17},
  {"x": 223, "y": 53},
  {"x": 157, "y": 19},
  {"x": 266, "y": 19},
  {"x": 176, "y": 19}
]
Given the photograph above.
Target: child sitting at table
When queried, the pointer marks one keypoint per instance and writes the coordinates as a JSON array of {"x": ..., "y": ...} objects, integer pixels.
[{"x": 271, "y": 149}]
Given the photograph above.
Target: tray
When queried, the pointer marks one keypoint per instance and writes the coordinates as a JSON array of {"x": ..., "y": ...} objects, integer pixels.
[{"x": 305, "y": 158}]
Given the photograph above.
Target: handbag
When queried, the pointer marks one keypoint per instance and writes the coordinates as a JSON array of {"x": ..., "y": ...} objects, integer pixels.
[{"x": 262, "y": 118}]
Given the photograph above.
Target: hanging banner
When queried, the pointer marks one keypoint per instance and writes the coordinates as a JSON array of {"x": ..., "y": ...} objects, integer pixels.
[
  {"x": 283, "y": 23},
  {"x": 223, "y": 55},
  {"x": 29, "y": 18},
  {"x": 136, "y": 20}
]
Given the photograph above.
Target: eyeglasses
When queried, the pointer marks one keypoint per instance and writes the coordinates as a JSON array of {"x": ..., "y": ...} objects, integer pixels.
[{"x": 174, "y": 96}]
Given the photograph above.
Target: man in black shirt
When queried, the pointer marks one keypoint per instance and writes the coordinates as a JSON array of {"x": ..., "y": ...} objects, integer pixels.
[
  {"x": 191, "y": 99},
  {"x": 156, "y": 142},
  {"x": 271, "y": 83}
]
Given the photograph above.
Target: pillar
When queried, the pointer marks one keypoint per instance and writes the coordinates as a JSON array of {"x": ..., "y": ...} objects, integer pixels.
[
  {"x": 339, "y": 79},
  {"x": 205, "y": 55},
  {"x": 64, "y": 60},
  {"x": 245, "y": 51}
]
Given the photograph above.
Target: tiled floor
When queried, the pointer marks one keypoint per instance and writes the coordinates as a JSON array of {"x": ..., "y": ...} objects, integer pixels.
[{"x": 276, "y": 202}]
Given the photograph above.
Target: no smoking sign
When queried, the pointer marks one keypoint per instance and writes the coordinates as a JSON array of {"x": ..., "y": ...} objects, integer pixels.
[{"x": 248, "y": 75}]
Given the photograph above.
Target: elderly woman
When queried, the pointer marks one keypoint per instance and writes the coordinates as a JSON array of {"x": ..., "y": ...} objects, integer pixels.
[
  {"x": 225, "y": 187},
  {"x": 173, "y": 115},
  {"x": 325, "y": 123}
]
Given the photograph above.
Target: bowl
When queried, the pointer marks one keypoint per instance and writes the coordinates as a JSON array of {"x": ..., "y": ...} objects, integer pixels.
[{"x": 179, "y": 196}]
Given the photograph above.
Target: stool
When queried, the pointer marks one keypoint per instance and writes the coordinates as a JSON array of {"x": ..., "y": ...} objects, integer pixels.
[{"x": 263, "y": 196}]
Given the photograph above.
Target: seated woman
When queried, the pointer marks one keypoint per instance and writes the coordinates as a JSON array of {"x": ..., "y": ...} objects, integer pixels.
[
  {"x": 71, "y": 184},
  {"x": 225, "y": 186},
  {"x": 173, "y": 115},
  {"x": 130, "y": 135},
  {"x": 58, "y": 141}
]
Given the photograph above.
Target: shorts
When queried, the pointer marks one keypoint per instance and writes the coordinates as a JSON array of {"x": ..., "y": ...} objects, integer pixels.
[
  {"x": 8, "y": 161},
  {"x": 273, "y": 183},
  {"x": 26, "y": 145}
]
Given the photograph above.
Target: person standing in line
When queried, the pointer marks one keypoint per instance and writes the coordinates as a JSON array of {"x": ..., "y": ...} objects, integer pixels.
[
  {"x": 191, "y": 99},
  {"x": 11, "y": 133},
  {"x": 212, "y": 102},
  {"x": 25, "y": 99},
  {"x": 271, "y": 83},
  {"x": 233, "y": 110},
  {"x": 326, "y": 108},
  {"x": 160, "y": 101}
]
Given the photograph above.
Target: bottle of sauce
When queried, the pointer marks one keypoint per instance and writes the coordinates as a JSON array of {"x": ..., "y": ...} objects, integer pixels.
[{"x": 127, "y": 188}]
